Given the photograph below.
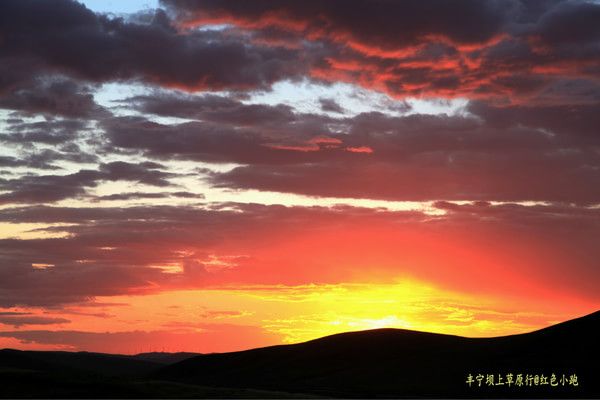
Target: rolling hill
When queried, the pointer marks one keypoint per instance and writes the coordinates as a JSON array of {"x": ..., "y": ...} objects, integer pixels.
[{"x": 402, "y": 363}]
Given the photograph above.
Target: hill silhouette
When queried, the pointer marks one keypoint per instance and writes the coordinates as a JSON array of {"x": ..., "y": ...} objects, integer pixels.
[
  {"x": 61, "y": 374},
  {"x": 368, "y": 364},
  {"x": 164, "y": 357},
  {"x": 403, "y": 363},
  {"x": 99, "y": 363}
]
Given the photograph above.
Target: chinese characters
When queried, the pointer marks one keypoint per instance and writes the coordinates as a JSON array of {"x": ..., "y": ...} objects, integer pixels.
[{"x": 521, "y": 380}]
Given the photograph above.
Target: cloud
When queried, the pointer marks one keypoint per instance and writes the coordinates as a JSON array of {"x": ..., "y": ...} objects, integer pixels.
[
  {"x": 330, "y": 105},
  {"x": 18, "y": 321},
  {"x": 8, "y": 161},
  {"x": 479, "y": 49},
  {"x": 504, "y": 153},
  {"x": 213, "y": 108},
  {"x": 52, "y": 132},
  {"x": 120, "y": 251},
  {"x": 217, "y": 314},
  {"x": 46, "y": 159},
  {"x": 486, "y": 152},
  {"x": 65, "y": 37},
  {"x": 225, "y": 143},
  {"x": 496, "y": 149},
  {"x": 47, "y": 188},
  {"x": 53, "y": 96},
  {"x": 52, "y": 188},
  {"x": 508, "y": 51},
  {"x": 385, "y": 23},
  {"x": 148, "y": 195},
  {"x": 569, "y": 23}
]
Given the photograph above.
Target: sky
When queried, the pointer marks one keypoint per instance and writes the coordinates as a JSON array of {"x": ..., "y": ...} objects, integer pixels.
[{"x": 219, "y": 175}]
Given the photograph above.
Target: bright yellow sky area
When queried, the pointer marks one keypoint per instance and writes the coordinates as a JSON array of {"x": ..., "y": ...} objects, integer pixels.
[{"x": 289, "y": 314}]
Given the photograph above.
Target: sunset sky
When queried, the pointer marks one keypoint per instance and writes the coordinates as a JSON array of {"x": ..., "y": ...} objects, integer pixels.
[{"x": 219, "y": 175}]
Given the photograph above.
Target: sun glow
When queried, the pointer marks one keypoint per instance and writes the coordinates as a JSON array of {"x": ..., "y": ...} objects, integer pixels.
[
  {"x": 230, "y": 318},
  {"x": 292, "y": 314}
]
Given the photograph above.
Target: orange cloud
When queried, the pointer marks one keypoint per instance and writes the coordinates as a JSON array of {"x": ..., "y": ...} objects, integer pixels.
[{"x": 360, "y": 149}]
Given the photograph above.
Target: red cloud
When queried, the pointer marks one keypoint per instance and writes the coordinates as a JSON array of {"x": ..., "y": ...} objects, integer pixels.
[
  {"x": 306, "y": 148},
  {"x": 360, "y": 149},
  {"x": 471, "y": 49}
]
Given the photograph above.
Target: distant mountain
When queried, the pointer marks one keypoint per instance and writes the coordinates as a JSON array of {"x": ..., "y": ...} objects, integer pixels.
[
  {"x": 59, "y": 374},
  {"x": 403, "y": 363},
  {"x": 369, "y": 364},
  {"x": 99, "y": 363}
]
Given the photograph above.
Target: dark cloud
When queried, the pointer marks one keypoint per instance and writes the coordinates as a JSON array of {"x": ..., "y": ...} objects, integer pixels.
[
  {"x": 53, "y": 97},
  {"x": 213, "y": 108},
  {"x": 506, "y": 50},
  {"x": 385, "y": 23},
  {"x": 330, "y": 105},
  {"x": 51, "y": 132},
  {"x": 510, "y": 153},
  {"x": 574, "y": 123},
  {"x": 51, "y": 188},
  {"x": 18, "y": 321},
  {"x": 8, "y": 161},
  {"x": 45, "y": 159},
  {"x": 480, "y": 49},
  {"x": 273, "y": 143},
  {"x": 571, "y": 22},
  {"x": 499, "y": 153},
  {"x": 63, "y": 36},
  {"x": 68, "y": 281},
  {"x": 47, "y": 188},
  {"x": 147, "y": 172},
  {"x": 149, "y": 195},
  {"x": 559, "y": 176}
]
